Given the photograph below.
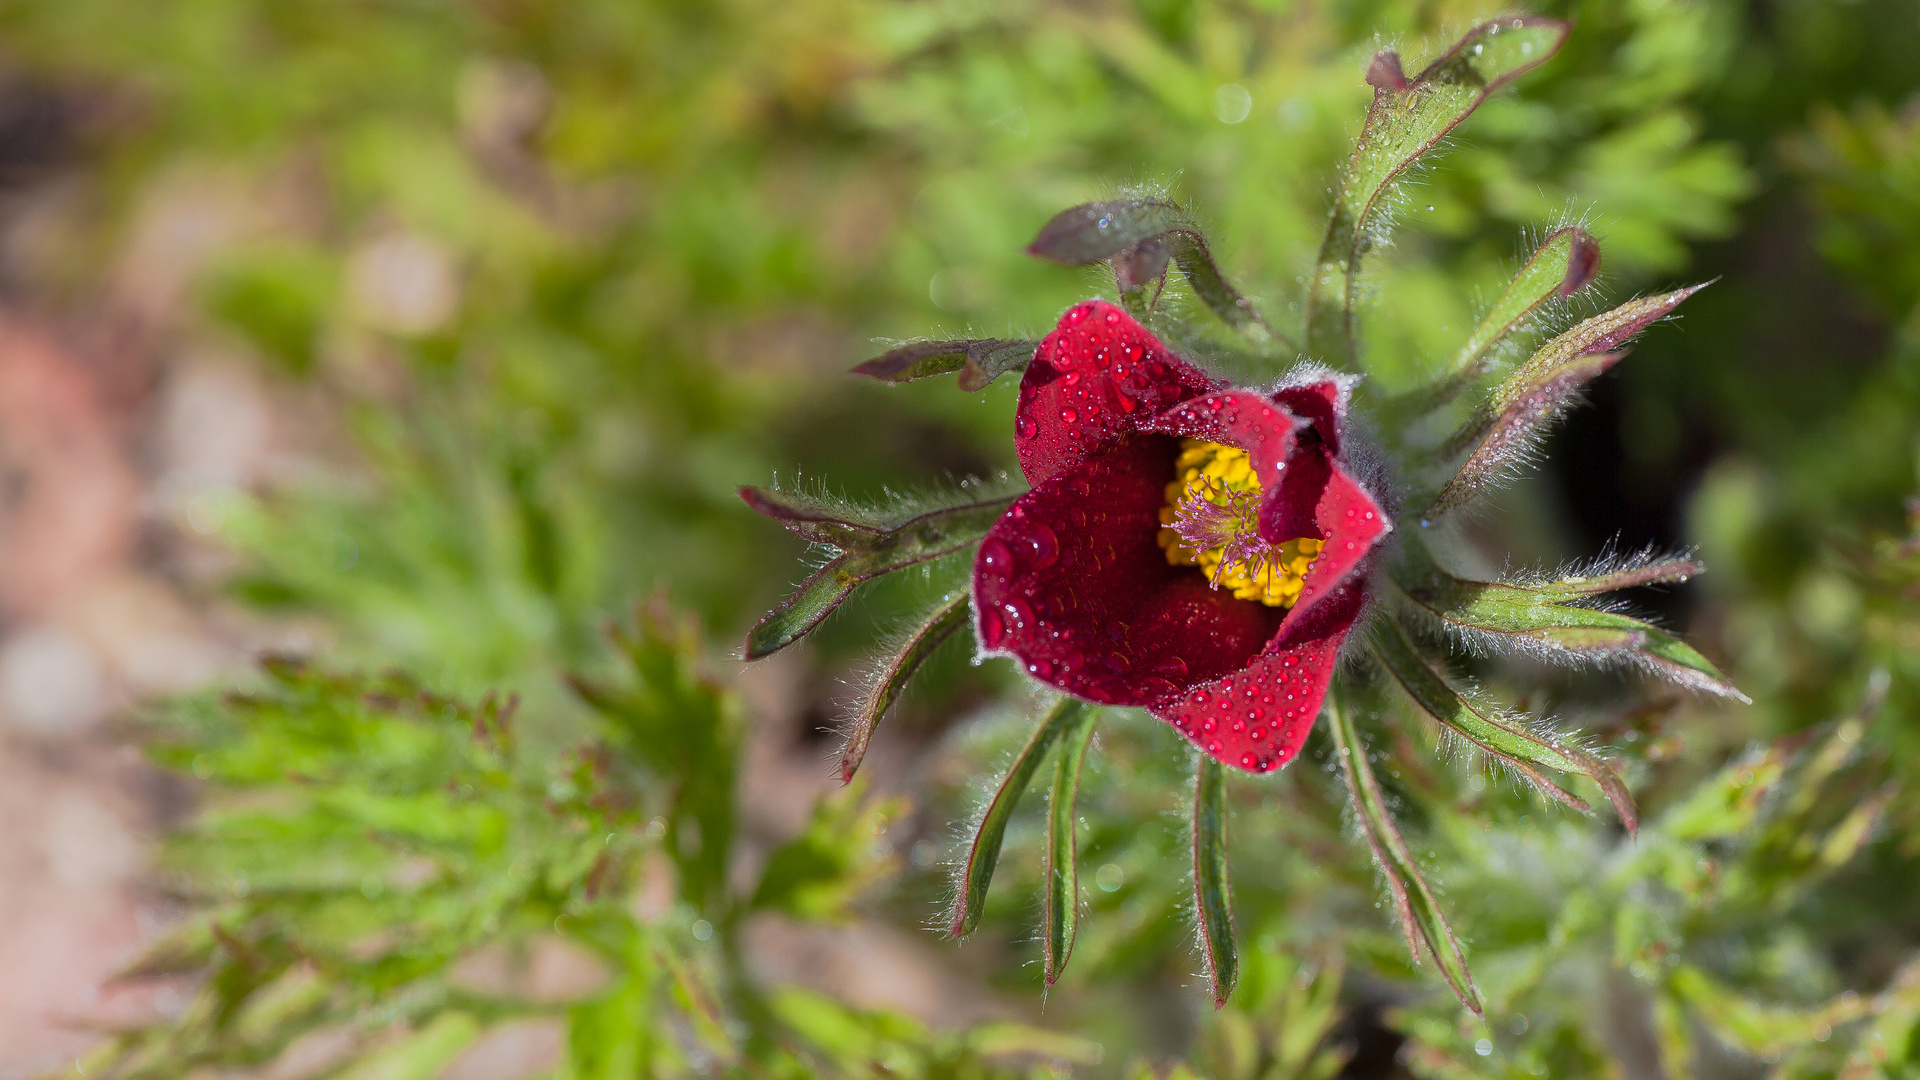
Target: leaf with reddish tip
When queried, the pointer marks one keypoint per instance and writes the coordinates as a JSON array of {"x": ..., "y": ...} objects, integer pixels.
[
  {"x": 1539, "y": 621},
  {"x": 1636, "y": 573},
  {"x": 1061, "y": 917},
  {"x": 1561, "y": 266},
  {"x": 1385, "y": 72},
  {"x": 977, "y": 872},
  {"x": 1505, "y": 429},
  {"x": 1603, "y": 333},
  {"x": 1407, "y": 118},
  {"x": 865, "y": 554},
  {"x": 1140, "y": 237},
  {"x": 978, "y": 360},
  {"x": 1212, "y": 901},
  {"x": 1508, "y": 438},
  {"x": 1413, "y": 901},
  {"x": 1526, "y": 752},
  {"x": 892, "y": 676}
]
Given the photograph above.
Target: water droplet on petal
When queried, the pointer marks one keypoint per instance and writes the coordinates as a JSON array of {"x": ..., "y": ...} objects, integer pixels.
[
  {"x": 1024, "y": 426},
  {"x": 1046, "y": 546},
  {"x": 1040, "y": 669},
  {"x": 996, "y": 557},
  {"x": 1019, "y": 611},
  {"x": 993, "y": 630},
  {"x": 1068, "y": 416}
]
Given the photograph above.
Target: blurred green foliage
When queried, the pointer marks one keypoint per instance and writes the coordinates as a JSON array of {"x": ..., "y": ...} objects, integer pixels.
[{"x": 573, "y": 272}]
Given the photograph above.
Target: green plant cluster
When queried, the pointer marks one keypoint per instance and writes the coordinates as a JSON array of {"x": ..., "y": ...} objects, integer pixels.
[{"x": 669, "y": 229}]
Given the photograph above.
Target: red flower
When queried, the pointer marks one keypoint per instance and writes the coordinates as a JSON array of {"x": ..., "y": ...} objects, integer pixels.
[{"x": 1186, "y": 547}]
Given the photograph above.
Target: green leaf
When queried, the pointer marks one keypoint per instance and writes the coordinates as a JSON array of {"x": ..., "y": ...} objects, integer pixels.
[
  {"x": 891, "y": 678},
  {"x": 1063, "y": 853},
  {"x": 422, "y": 1055},
  {"x": 1633, "y": 573},
  {"x": 1504, "y": 430},
  {"x": 1502, "y": 615},
  {"x": 1140, "y": 237},
  {"x": 1566, "y": 263},
  {"x": 1212, "y": 899},
  {"x": 1526, "y": 752},
  {"x": 817, "y": 874},
  {"x": 1407, "y": 119},
  {"x": 984, "y": 852},
  {"x": 866, "y": 555},
  {"x": 978, "y": 360},
  {"x": 1413, "y": 901}
]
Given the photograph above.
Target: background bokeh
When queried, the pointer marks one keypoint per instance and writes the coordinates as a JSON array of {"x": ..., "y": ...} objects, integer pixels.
[{"x": 432, "y": 335}]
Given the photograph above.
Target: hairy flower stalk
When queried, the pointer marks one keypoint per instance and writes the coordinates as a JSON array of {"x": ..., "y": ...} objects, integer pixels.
[{"x": 1204, "y": 551}]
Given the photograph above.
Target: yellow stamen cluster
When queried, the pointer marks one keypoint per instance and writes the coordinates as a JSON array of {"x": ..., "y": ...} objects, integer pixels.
[{"x": 1223, "y": 476}]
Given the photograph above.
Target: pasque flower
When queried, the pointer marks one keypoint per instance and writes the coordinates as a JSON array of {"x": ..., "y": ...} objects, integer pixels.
[
  {"x": 1215, "y": 554},
  {"x": 1195, "y": 549}
]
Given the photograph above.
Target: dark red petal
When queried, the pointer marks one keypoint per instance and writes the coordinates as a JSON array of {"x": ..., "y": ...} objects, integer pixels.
[
  {"x": 1344, "y": 515},
  {"x": 1237, "y": 418},
  {"x": 1073, "y": 583},
  {"x": 1258, "y": 718},
  {"x": 1322, "y": 402},
  {"x": 1098, "y": 376}
]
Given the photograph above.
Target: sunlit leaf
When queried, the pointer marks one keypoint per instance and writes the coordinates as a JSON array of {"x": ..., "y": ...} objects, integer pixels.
[
  {"x": 891, "y": 677},
  {"x": 1564, "y": 264},
  {"x": 978, "y": 360},
  {"x": 977, "y": 872},
  {"x": 866, "y": 555},
  {"x": 1062, "y": 913},
  {"x": 1498, "y": 616},
  {"x": 1407, "y": 119},
  {"x": 1508, "y": 740},
  {"x": 1140, "y": 237},
  {"x": 1212, "y": 896},
  {"x": 1503, "y": 432},
  {"x": 1413, "y": 900}
]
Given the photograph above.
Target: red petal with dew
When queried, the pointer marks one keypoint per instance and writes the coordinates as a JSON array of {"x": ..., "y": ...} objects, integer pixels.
[
  {"x": 1257, "y": 718},
  {"x": 1239, "y": 418},
  {"x": 1072, "y": 582},
  {"x": 1096, "y": 377}
]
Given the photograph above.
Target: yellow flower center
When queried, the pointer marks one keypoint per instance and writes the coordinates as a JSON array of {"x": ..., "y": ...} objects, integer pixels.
[{"x": 1211, "y": 520}]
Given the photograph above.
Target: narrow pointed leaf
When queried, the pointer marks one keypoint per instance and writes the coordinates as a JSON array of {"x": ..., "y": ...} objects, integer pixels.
[
  {"x": 1140, "y": 237},
  {"x": 1528, "y": 753},
  {"x": 1062, "y": 914},
  {"x": 892, "y": 676},
  {"x": 1413, "y": 901},
  {"x": 1566, "y": 263},
  {"x": 1407, "y": 118},
  {"x": 1504, "y": 430},
  {"x": 1507, "y": 439},
  {"x": 1640, "y": 571},
  {"x": 978, "y": 360},
  {"x": 869, "y": 555},
  {"x": 984, "y": 852},
  {"x": 1212, "y": 900},
  {"x": 1531, "y": 619},
  {"x": 1606, "y": 332}
]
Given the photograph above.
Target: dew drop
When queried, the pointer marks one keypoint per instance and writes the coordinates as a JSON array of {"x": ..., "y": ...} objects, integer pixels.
[
  {"x": 993, "y": 630},
  {"x": 1046, "y": 546},
  {"x": 1246, "y": 761},
  {"x": 1019, "y": 611},
  {"x": 1040, "y": 669},
  {"x": 995, "y": 556},
  {"x": 1068, "y": 416},
  {"x": 1024, "y": 426}
]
